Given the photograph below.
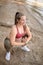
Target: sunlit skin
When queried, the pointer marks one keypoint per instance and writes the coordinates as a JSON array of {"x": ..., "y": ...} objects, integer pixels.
[{"x": 20, "y": 26}]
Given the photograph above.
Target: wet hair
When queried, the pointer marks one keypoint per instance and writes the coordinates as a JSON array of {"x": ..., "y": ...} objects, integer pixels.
[{"x": 18, "y": 16}]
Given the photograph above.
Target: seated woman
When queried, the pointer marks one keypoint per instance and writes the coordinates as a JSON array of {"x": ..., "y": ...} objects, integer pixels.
[{"x": 20, "y": 35}]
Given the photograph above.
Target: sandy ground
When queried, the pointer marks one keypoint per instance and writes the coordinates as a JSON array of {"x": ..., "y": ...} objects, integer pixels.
[{"x": 19, "y": 57}]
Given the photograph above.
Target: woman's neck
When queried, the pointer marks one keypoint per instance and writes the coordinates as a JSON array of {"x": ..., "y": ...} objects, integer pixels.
[{"x": 19, "y": 25}]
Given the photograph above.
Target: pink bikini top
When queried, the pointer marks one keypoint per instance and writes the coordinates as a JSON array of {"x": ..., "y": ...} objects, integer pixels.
[{"x": 18, "y": 35}]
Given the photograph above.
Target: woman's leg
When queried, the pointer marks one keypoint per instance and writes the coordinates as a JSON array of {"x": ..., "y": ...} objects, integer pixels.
[{"x": 7, "y": 46}]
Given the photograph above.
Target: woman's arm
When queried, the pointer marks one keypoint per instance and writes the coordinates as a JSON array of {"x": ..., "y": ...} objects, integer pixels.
[
  {"x": 27, "y": 30},
  {"x": 13, "y": 36}
]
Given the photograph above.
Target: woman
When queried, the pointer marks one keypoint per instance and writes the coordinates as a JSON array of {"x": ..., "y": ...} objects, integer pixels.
[{"x": 17, "y": 35}]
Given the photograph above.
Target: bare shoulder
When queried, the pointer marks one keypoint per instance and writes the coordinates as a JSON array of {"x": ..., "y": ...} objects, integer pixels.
[
  {"x": 13, "y": 29},
  {"x": 26, "y": 27}
]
